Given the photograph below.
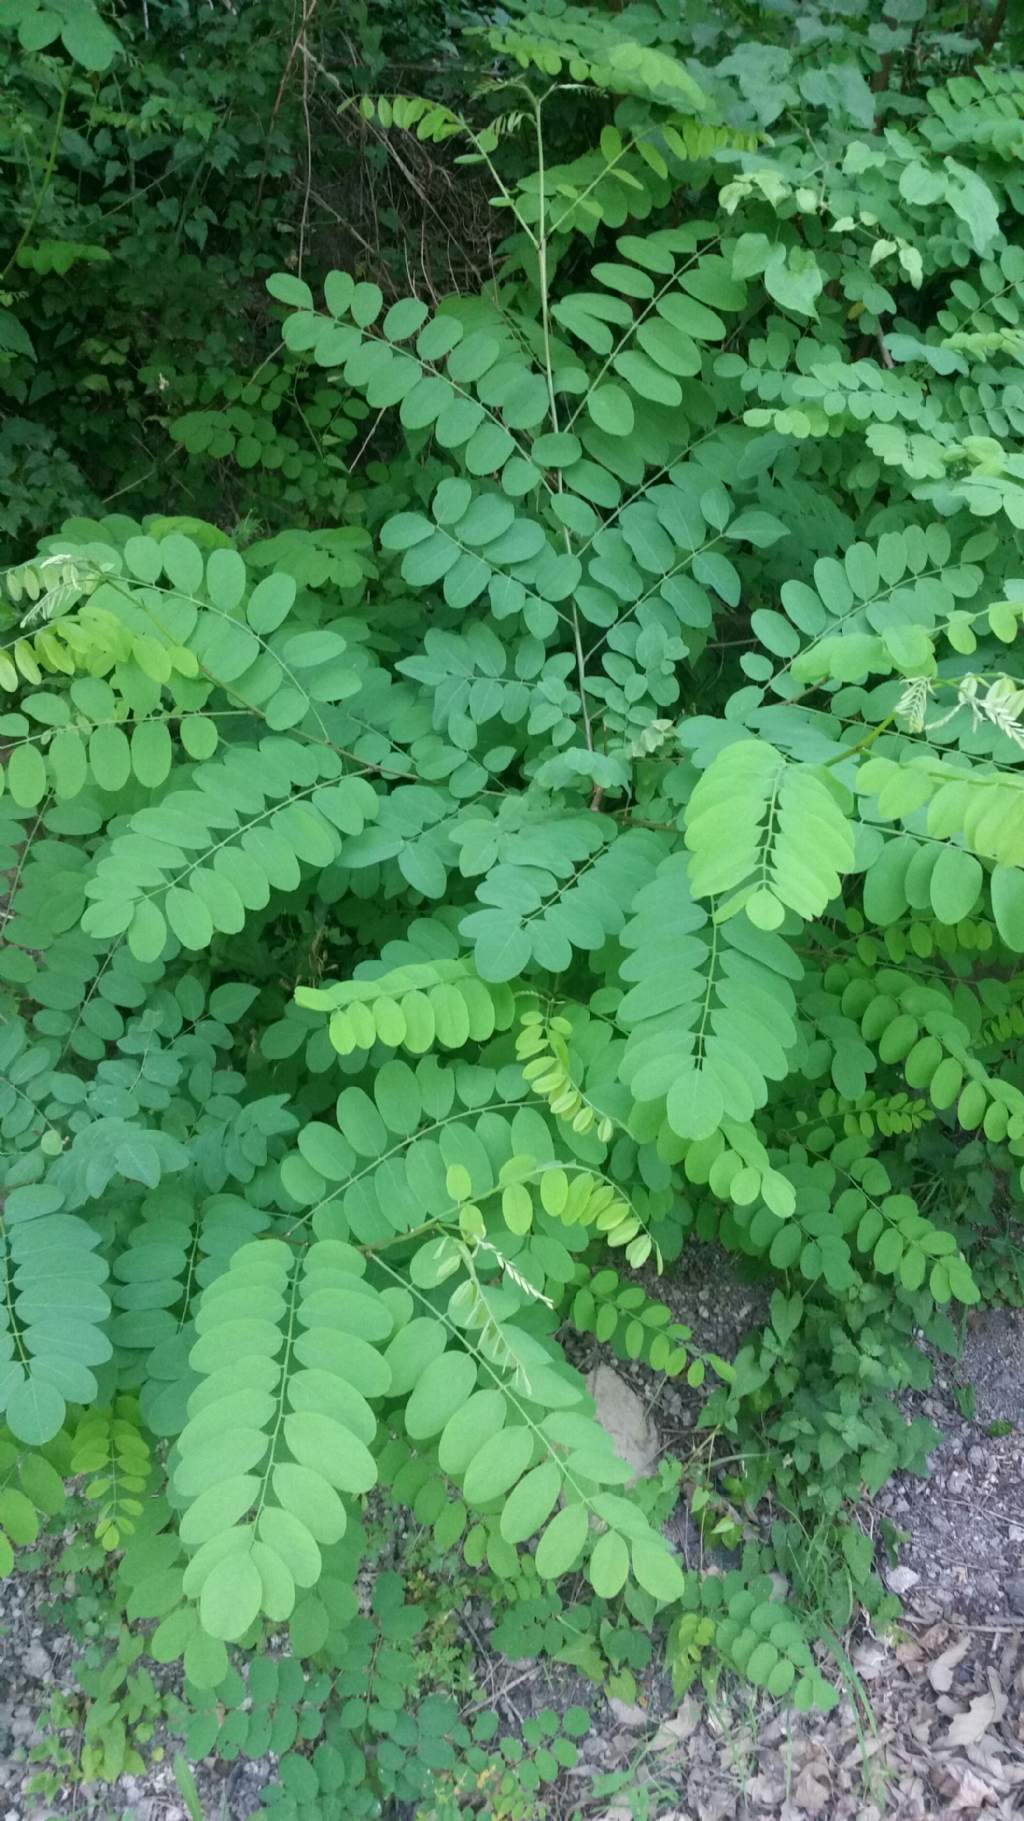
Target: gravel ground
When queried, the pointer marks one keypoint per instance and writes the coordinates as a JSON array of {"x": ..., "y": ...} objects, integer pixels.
[
  {"x": 993, "y": 1365},
  {"x": 964, "y": 1557},
  {"x": 933, "y": 1721},
  {"x": 939, "y": 1731}
]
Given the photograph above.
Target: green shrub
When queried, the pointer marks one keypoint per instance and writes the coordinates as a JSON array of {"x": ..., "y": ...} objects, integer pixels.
[{"x": 612, "y": 834}]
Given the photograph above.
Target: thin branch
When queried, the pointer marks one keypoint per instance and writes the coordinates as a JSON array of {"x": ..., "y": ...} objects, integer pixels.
[
  {"x": 994, "y": 33},
  {"x": 44, "y": 188}
]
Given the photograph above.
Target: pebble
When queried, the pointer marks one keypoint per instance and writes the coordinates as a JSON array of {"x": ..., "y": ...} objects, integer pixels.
[
  {"x": 37, "y": 1662},
  {"x": 23, "y": 1724},
  {"x": 901, "y": 1580}
]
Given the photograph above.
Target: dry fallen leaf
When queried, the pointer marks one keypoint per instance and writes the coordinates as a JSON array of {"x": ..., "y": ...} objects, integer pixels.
[
  {"x": 622, "y": 1414},
  {"x": 967, "y": 1728},
  {"x": 940, "y": 1673},
  {"x": 765, "y": 1791},
  {"x": 808, "y": 1793},
  {"x": 962, "y": 1788},
  {"x": 998, "y": 1693},
  {"x": 626, "y": 1714},
  {"x": 910, "y": 1655},
  {"x": 673, "y": 1733}
]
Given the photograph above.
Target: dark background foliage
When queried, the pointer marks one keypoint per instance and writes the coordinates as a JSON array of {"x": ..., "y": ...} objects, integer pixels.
[
  {"x": 149, "y": 182},
  {"x": 142, "y": 205}
]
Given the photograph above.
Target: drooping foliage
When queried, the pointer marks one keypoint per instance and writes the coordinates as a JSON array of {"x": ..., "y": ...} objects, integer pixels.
[{"x": 609, "y": 832}]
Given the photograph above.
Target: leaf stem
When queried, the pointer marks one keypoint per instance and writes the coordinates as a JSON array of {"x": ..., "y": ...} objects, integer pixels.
[
  {"x": 541, "y": 244},
  {"x": 848, "y": 752}
]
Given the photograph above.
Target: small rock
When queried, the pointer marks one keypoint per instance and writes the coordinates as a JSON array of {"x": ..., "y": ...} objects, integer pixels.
[
  {"x": 901, "y": 1580},
  {"x": 37, "y": 1662},
  {"x": 1014, "y": 1591},
  {"x": 870, "y": 1657}
]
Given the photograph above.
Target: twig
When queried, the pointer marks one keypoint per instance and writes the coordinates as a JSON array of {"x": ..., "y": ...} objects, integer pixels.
[
  {"x": 1005, "y": 1517},
  {"x": 44, "y": 188},
  {"x": 991, "y": 37},
  {"x": 526, "y": 1676},
  {"x": 129, "y": 485},
  {"x": 309, "y": 10},
  {"x": 909, "y": 1618},
  {"x": 278, "y": 98},
  {"x": 357, "y": 458}
]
